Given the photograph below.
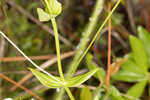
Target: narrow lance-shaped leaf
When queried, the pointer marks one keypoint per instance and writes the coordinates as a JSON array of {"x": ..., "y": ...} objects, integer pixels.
[
  {"x": 136, "y": 90},
  {"x": 75, "y": 81},
  {"x": 86, "y": 94},
  {"x": 47, "y": 80},
  {"x": 139, "y": 54}
]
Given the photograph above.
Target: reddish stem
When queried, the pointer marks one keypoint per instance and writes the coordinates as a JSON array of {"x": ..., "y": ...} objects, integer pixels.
[
  {"x": 109, "y": 49},
  {"x": 22, "y": 87}
]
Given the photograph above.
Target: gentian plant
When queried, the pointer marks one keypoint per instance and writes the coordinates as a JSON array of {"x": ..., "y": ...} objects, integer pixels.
[{"x": 52, "y": 9}]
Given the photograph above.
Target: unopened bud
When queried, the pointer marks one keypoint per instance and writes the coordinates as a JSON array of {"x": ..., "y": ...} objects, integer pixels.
[{"x": 53, "y": 7}]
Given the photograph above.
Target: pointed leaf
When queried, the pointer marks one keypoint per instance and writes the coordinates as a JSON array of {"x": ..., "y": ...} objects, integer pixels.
[
  {"x": 139, "y": 54},
  {"x": 75, "y": 81},
  {"x": 115, "y": 94},
  {"x": 144, "y": 36},
  {"x": 127, "y": 76},
  {"x": 43, "y": 16},
  {"x": 100, "y": 73},
  {"x": 86, "y": 94},
  {"x": 137, "y": 90},
  {"x": 47, "y": 80}
]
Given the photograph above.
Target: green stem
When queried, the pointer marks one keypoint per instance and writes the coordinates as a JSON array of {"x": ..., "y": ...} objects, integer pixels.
[
  {"x": 58, "y": 57},
  {"x": 57, "y": 48},
  {"x": 97, "y": 33},
  {"x": 69, "y": 93},
  {"x": 77, "y": 61},
  {"x": 86, "y": 37}
]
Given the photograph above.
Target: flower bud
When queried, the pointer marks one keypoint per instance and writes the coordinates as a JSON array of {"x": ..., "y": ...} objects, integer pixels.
[{"x": 53, "y": 7}]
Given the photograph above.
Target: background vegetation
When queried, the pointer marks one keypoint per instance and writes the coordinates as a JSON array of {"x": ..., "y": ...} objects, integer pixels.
[{"x": 80, "y": 19}]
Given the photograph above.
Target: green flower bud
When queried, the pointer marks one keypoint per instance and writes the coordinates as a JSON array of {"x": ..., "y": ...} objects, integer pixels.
[{"x": 53, "y": 7}]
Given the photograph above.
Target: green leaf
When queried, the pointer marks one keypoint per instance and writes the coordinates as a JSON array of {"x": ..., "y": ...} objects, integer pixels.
[
  {"x": 47, "y": 80},
  {"x": 128, "y": 76},
  {"x": 139, "y": 54},
  {"x": 145, "y": 38},
  {"x": 131, "y": 66},
  {"x": 115, "y": 94},
  {"x": 75, "y": 81},
  {"x": 97, "y": 93},
  {"x": 91, "y": 65},
  {"x": 86, "y": 94},
  {"x": 137, "y": 90},
  {"x": 43, "y": 16}
]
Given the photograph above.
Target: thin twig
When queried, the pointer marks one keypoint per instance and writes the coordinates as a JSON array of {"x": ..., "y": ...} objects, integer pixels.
[
  {"x": 14, "y": 59},
  {"x": 20, "y": 86},
  {"x": 131, "y": 16},
  {"x": 2, "y": 47}
]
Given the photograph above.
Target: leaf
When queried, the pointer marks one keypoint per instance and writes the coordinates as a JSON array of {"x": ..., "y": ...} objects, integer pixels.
[
  {"x": 145, "y": 38},
  {"x": 86, "y": 94},
  {"x": 43, "y": 16},
  {"x": 100, "y": 73},
  {"x": 131, "y": 66},
  {"x": 97, "y": 93},
  {"x": 115, "y": 94},
  {"x": 75, "y": 81},
  {"x": 137, "y": 90},
  {"x": 47, "y": 80},
  {"x": 139, "y": 53},
  {"x": 128, "y": 76}
]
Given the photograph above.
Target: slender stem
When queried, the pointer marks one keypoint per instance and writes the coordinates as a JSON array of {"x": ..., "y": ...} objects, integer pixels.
[
  {"x": 87, "y": 32},
  {"x": 99, "y": 30},
  {"x": 97, "y": 33},
  {"x": 69, "y": 93},
  {"x": 58, "y": 57},
  {"x": 109, "y": 49},
  {"x": 57, "y": 48}
]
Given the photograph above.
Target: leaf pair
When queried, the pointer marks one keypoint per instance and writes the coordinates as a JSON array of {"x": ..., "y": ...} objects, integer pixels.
[{"x": 50, "y": 82}]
